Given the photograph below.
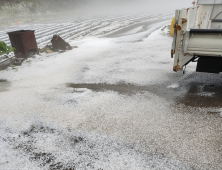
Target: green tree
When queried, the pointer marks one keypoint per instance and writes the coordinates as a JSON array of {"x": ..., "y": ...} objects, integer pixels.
[{"x": 4, "y": 49}]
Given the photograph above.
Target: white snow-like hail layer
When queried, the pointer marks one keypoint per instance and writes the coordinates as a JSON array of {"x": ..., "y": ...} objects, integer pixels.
[{"x": 44, "y": 124}]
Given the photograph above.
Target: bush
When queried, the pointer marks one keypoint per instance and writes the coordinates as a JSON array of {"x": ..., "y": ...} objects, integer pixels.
[{"x": 4, "y": 49}]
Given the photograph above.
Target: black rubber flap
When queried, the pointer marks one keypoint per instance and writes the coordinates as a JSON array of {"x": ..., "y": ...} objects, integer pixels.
[
  {"x": 205, "y": 31},
  {"x": 209, "y": 64},
  {"x": 216, "y": 20}
]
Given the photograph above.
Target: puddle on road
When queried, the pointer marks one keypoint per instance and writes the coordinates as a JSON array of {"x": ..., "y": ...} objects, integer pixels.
[
  {"x": 4, "y": 84},
  {"x": 129, "y": 89},
  {"x": 194, "y": 95},
  {"x": 200, "y": 95}
]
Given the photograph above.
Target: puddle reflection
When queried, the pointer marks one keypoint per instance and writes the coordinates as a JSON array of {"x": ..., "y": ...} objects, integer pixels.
[{"x": 200, "y": 95}]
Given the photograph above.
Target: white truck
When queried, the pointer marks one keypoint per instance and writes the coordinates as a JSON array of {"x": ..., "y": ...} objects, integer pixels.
[{"x": 198, "y": 37}]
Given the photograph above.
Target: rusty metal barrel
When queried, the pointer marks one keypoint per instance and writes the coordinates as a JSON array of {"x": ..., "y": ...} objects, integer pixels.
[{"x": 24, "y": 42}]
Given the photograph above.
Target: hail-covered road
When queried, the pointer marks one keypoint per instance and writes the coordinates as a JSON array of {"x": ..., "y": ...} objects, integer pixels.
[{"x": 113, "y": 103}]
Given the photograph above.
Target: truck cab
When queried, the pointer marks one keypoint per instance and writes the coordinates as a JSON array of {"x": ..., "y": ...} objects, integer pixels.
[{"x": 198, "y": 37}]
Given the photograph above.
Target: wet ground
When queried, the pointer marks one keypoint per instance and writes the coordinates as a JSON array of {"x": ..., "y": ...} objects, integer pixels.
[
  {"x": 196, "y": 112},
  {"x": 193, "y": 94},
  {"x": 130, "y": 89},
  {"x": 59, "y": 114}
]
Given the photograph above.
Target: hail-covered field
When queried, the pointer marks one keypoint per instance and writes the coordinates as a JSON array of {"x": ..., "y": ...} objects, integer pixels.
[
  {"x": 112, "y": 103},
  {"x": 73, "y": 27}
]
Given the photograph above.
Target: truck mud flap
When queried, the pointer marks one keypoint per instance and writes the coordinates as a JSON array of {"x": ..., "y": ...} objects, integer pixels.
[
  {"x": 205, "y": 31},
  {"x": 209, "y": 64}
]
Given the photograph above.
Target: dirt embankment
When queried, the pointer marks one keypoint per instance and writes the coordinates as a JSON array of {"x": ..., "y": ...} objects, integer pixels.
[
  {"x": 32, "y": 10},
  {"x": 21, "y": 8}
]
